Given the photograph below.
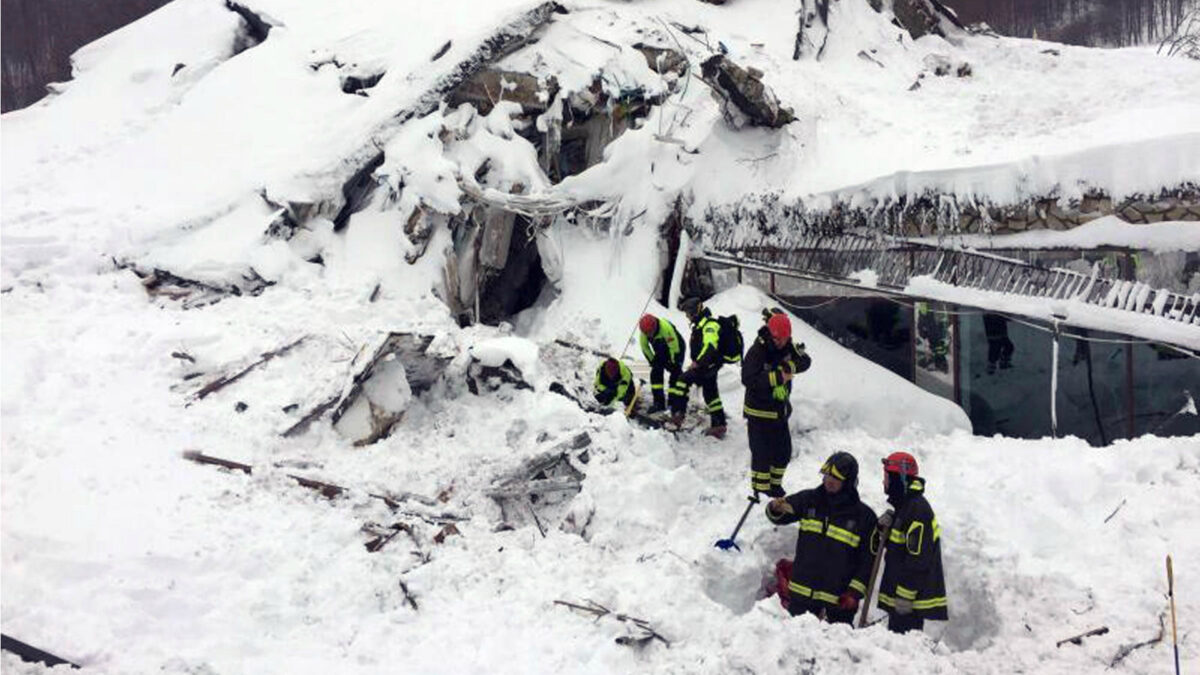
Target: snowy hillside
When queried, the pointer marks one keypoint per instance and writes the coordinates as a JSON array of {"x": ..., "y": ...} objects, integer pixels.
[{"x": 186, "y": 138}]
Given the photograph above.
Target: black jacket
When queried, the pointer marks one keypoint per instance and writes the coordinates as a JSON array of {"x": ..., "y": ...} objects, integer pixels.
[
  {"x": 705, "y": 343},
  {"x": 913, "y": 561},
  {"x": 768, "y": 397},
  {"x": 835, "y": 546}
]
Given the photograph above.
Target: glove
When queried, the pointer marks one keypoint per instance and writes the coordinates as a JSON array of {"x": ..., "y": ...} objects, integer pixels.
[
  {"x": 779, "y": 506},
  {"x": 779, "y": 393},
  {"x": 848, "y": 602},
  {"x": 903, "y": 606},
  {"x": 885, "y": 521}
]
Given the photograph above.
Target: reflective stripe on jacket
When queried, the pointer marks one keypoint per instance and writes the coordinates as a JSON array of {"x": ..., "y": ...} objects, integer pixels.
[
  {"x": 665, "y": 349},
  {"x": 607, "y": 391},
  {"x": 835, "y": 544},
  {"x": 706, "y": 342},
  {"x": 913, "y": 561},
  {"x": 767, "y": 394}
]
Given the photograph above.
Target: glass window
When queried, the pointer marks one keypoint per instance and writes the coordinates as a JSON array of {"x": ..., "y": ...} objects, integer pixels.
[
  {"x": 1091, "y": 386},
  {"x": 1166, "y": 383},
  {"x": 1004, "y": 375},
  {"x": 934, "y": 355},
  {"x": 877, "y": 329}
]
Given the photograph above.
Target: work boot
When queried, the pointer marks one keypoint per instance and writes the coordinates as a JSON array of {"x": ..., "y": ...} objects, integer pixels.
[
  {"x": 776, "y": 491},
  {"x": 715, "y": 432}
]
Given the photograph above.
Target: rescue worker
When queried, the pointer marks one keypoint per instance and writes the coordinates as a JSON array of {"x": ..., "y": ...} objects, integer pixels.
[
  {"x": 835, "y": 546},
  {"x": 614, "y": 382},
  {"x": 663, "y": 347},
  {"x": 912, "y": 588},
  {"x": 705, "y": 347},
  {"x": 767, "y": 372}
]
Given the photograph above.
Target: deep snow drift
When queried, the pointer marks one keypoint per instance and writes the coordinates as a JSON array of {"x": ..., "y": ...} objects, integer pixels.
[{"x": 123, "y": 557}]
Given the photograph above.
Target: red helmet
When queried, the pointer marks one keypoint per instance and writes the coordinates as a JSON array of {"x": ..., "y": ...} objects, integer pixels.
[
  {"x": 900, "y": 462},
  {"x": 648, "y": 324},
  {"x": 780, "y": 326},
  {"x": 612, "y": 369}
]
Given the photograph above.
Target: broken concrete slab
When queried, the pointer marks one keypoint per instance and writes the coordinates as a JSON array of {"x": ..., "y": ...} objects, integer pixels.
[
  {"x": 399, "y": 368},
  {"x": 744, "y": 99}
]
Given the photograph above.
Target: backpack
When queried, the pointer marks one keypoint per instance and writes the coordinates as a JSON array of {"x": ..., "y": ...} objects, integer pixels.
[{"x": 729, "y": 341}]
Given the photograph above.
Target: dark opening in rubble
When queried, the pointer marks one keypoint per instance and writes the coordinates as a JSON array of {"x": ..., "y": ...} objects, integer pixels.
[
  {"x": 357, "y": 191},
  {"x": 514, "y": 288}
]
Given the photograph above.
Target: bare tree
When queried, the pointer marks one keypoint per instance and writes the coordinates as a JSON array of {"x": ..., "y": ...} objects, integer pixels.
[{"x": 1185, "y": 39}]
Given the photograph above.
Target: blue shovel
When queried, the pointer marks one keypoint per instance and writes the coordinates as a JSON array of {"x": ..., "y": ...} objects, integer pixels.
[{"x": 726, "y": 544}]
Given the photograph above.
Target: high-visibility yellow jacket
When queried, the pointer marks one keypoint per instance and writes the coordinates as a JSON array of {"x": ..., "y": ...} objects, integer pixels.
[
  {"x": 621, "y": 389},
  {"x": 665, "y": 349}
]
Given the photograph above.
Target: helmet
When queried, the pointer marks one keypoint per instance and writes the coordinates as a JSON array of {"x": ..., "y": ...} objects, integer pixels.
[
  {"x": 691, "y": 307},
  {"x": 901, "y": 463},
  {"x": 612, "y": 369},
  {"x": 780, "y": 326},
  {"x": 648, "y": 324},
  {"x": 842, "y": 466}
]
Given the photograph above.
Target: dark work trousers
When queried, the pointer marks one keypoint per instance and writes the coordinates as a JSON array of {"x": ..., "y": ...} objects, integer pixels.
[
  {"x": 903, "y": 623},
  {"x": 770, "y": 452},
  {"x": 1000, "y": 351},
  {"x": 707, "y": 381},
  {"x": 821, "y": 610},
  {"x": 658, "y": 393}
]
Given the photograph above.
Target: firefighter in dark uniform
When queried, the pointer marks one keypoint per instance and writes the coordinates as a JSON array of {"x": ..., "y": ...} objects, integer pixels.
[
  {"x": 707, "y": 359},
  {"x": 767, "y": 373},
  {"x": 614, "y": 382},
  {"x": 912, "y": 589},
  {"x": 836, "y": 543},
  {"x": 663, "y": 347}
]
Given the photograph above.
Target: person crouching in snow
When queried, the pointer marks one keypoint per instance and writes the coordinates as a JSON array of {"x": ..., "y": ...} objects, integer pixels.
[
  {"x": 767, "y": 372},
  {"x": 834, "y": 545},
  {"x": 912, "y": 588},
  {"x": 614, "y": 382}
]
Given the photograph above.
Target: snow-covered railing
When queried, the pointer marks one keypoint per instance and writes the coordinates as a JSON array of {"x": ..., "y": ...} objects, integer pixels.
[{"x": 841, "y": 259}]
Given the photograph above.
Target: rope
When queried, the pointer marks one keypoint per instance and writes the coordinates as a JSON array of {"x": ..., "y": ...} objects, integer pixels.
[{"x": 639, "y": 318}]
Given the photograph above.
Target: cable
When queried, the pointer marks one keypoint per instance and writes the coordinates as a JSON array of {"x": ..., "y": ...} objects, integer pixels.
[
  {"x": 1010, "y": 317},
  {"x": 639, "y": 317}
]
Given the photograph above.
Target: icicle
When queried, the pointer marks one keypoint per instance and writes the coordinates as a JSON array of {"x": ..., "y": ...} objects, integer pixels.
[
  {"x": 681, "y": 257},
  {"x": 1054, "y": 383}
]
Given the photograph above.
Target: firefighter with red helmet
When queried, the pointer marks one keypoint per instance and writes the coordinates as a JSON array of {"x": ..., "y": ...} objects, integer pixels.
[
  {"x": 664, "y": 348},
  {"x": 835, "y": 545},
  {"x": 913, "y": 588},
  {"x": 767, "y": 372}
]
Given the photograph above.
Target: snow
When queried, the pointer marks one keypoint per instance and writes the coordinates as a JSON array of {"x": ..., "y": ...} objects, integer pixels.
[
  {"x": 1105, "y": 231},
  {"x": 121, "y": 556},
  {"x": 1071, "y": 312},
  {"x": 521, "y": 352}
]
